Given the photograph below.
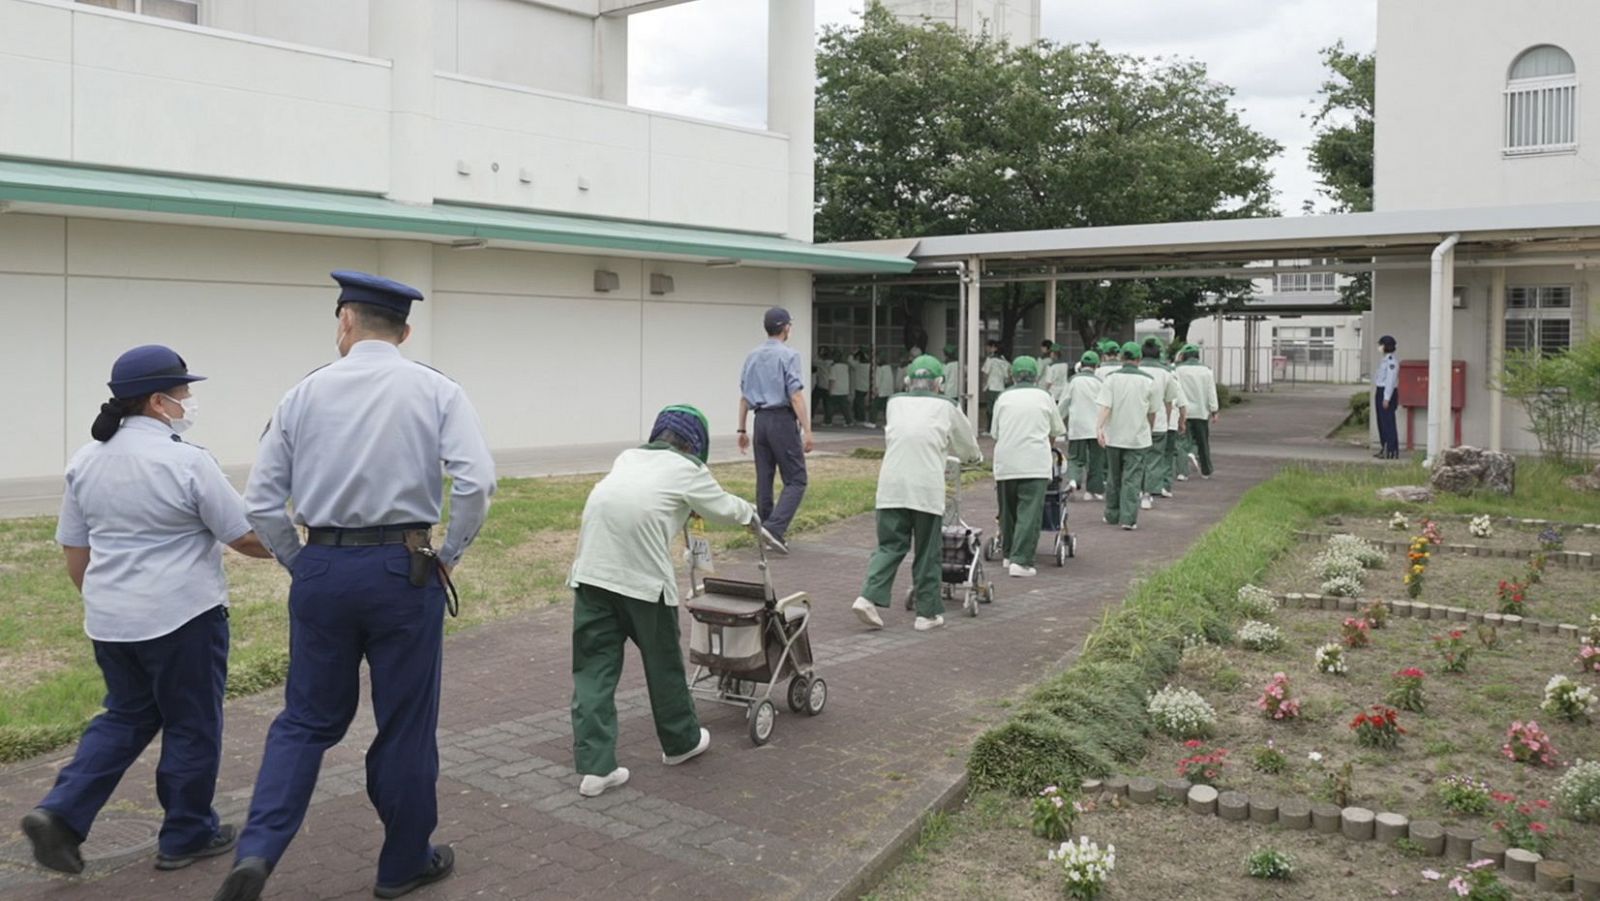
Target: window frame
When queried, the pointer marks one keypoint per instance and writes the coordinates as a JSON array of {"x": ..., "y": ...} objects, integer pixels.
[
  {"x": 139, "y": 10},
  {"x": 1529, "y": 104},
  {"x": 1537, "y": 308}
]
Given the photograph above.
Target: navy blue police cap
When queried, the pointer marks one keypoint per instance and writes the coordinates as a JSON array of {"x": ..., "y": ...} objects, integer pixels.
[
  {"x": 147, "y": 369},
  {"x": 1387, "y": 341},
  {"x": 775, "y": 319},
  {"x": 363, "y": 287}
]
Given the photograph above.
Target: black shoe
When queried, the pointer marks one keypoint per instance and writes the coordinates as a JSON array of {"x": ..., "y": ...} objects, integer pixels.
[
  {"x": 442, "y": 865},
  {"x": 55, "y": 845},
  {"x": 226, "y": 838},
  {"x": 245, "y": 882}
]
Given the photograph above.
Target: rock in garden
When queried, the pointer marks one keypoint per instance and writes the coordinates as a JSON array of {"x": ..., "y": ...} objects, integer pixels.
[
  {"x": 1295, "y": 813},
  {"x": 1391, "y": 827},
  {"x": 1458, "y": 842},
  {"x": 1203, "y": 799},
  {"x": 1429, "y": 835},
  {"x": 1463, "y": 470},
  {"x": 1409, "y": 494},
  {"x": 1552, "y": 876},
  {"x": 1142, "y": 790},
  {"x": 1491, "y": 848},
  {"x": 1233, "y": 806},
  {"x": 1175, "y": 789},
  {"x": 1264, "y": 808},
  {"x": 1356, "y": 824},
  {"x": 1325, "y": 818},
  {"x": 1586, "y": 882},
  {"x": 1117, "y": 785},
  {"x": 1520, "y": 864},
  {"x": 1587, "y": 482}
]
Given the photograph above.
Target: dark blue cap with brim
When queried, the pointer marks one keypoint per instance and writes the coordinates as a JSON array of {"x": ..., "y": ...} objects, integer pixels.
[
  {"x": 776, "y": 318},
  {"x": 363, "y": 287},
  {"x": 147, "y": 369}
]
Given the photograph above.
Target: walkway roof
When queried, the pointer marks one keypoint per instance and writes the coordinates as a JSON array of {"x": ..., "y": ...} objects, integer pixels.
[{"x": 73, "y": 190}]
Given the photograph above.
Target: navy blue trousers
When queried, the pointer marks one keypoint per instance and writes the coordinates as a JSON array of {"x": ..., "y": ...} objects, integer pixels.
[
  {"x": 1388, "y": 434},
  {"x": 780, "y": 448},
  {"x": 172, "y": 685},
  {"x": 345, "y": 604}
]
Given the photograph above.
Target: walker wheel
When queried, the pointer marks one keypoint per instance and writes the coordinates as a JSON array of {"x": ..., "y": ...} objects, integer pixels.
[
  {"x": 763, "y": 716},
  {"x": 986, "y": 596},
  {"x": 797, "y": 694},
  {"x": 1072, "y": 545},
  {"x": 1061, "y": 551},
  {"x": 816, "y": 696},
  {"x": 970, "y": 602},
  {"x": 991, "y": 548}
]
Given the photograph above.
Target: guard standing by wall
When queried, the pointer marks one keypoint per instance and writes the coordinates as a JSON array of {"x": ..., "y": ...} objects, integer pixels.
[
  {"x": 770, "y": 385},
  {"x": 141, "y": 518},
  {"x": 1200, "y": 387},
  {"x": 1025, "y": 424},
  {"x": 1129, "y": 406},
  {"x": 1080, "y": 408},
  {"x": 1385, "y": 398},
  {"x": 924, "y": 427},
  {"x": 624, "y": 588},
  {"x": 361, "y": 446}
]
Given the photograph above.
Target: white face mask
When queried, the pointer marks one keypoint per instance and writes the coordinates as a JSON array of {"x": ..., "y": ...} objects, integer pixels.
[{"x": 190, "y": 408}]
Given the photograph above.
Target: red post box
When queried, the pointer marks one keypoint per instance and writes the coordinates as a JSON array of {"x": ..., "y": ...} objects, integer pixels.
[{"x": 1414, "y": 393}]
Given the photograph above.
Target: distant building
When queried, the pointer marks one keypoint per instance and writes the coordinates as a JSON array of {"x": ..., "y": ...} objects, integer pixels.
[{"x": 1015, "y": 21}]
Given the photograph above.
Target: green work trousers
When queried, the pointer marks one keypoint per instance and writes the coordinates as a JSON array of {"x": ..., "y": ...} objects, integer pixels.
[
  {"x": 1169, "y": 461},
  {"x": 838, "y": 404},
  {"x": 861, "y": 406},
  {"x": 1155, "y": 462},
  {"x": 1086, "y": 465},
  {"x": 1021, "y": 518},
  {"x": 1200, "y": 437},
  {"x": 1125, "y": 478},
  {"x": 987, "y": 399},
  {"x": 602, "y": 621},
  {"x": 880, "y": 408},
  {"x": 899, "y": 531}
]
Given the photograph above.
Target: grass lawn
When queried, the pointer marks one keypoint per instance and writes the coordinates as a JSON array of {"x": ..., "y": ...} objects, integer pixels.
[
  {"x": 1087, "y": 721},
  {"x": 50, "y": 685}
]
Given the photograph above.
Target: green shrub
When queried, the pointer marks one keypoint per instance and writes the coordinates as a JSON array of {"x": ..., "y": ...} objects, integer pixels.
[
  {"x": 1269, "y": 863},
  {"x": 1360, "y": 409},
  {"x": 1035, "y": 748},
  {"x": 1578, "y": 791},
  {"x": 21, "y": 742}
]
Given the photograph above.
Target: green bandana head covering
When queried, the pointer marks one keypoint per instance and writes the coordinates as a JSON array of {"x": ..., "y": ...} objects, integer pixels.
[
  {"x": 925, "y": 367},
  {"x": 688, "y": 423}
]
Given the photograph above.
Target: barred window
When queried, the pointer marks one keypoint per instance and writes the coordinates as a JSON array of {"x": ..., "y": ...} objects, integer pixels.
[
  {"x": 174, "y": 10},
  {"x": 1539, "y": 317},
  {"x": 1306, "y": 282},
  {"x": 1541, "y": 102}
]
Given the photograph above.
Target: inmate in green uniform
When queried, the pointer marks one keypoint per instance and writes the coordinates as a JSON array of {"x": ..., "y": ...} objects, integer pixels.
[
  {"x": 1080, "y": 409},
  {"x": 1024, "y": 423},
  {"x": 1128, "y": 404}
]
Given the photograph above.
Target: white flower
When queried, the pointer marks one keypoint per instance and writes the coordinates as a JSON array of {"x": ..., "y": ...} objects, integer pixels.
[
  {"x": 1315, "y": 757},
  {"x": 1256, "y": 602},
  {"x": 1330, "y": 659},
  {"x": 1431, "y": 875},
  {"x": 1181, "y": 712},
  {"x": 1481, "y": 527},
  {"x": 1260, "y": 636}
]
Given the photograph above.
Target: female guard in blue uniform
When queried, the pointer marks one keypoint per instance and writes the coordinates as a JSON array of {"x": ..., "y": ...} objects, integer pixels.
[{"x": 141, "y": 518}]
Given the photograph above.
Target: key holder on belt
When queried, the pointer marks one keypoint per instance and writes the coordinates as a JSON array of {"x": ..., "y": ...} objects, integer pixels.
[{"x": 425, "y": 560}]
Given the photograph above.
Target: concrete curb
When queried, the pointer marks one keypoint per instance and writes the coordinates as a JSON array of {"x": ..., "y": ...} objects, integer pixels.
[{"x": 888, "y": 857}]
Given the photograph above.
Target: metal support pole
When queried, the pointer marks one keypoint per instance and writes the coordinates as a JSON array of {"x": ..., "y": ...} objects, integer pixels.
[
  {"x": 972, "y": 320},
  {"x": 1497, "y": 355},
  {"x": 1050, "y": 310}
]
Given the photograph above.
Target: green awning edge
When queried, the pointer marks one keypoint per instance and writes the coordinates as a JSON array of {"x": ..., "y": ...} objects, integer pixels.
[{"x": 79, "y": 186}]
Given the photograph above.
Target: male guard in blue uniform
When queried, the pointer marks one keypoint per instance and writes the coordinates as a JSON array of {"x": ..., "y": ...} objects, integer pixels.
[{"x": 360, "y": 447}]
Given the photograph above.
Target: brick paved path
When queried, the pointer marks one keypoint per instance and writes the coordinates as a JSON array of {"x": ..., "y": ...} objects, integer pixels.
[{"x": 796, "y": 819}]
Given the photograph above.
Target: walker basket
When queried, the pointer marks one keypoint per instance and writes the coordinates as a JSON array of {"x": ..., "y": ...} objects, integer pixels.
[
  {"x": 727, "y": 633},
  {"x": 959, "y": 544}
]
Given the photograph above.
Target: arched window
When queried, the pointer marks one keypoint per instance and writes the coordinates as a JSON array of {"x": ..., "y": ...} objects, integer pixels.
[{"x": 1541, "y": 102}]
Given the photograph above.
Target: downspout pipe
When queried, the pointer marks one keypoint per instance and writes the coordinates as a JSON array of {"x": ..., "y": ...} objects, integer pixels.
[{"x": 1441, "y": 320}]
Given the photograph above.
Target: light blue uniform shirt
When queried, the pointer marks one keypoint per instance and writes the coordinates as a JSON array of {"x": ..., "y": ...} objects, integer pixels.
[
  {"x": 771, "y": 375},
  {"x": 359, "y": 443},
  {"x": 1387, "y": 377},
  {"x": 151, "y": 510}
]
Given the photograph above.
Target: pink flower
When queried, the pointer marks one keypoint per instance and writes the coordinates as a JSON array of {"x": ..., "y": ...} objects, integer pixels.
[
  {"x": 1480, "y": 864},
  {"x": 1431, "y": 875},
  {"x": 1459, "y": 886}
]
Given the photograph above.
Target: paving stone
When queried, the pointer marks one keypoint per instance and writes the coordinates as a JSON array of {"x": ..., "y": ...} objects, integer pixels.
[
  {"x": 1142, "y": 790},
  {"x": 1400, "y": 608},
  {"x": 1263, "y": 808},
  {"x": 1490, "y": 848},
  {"x": 1552, "y": 876},
  {"x": 1389, "y": 828},
  {"x": 1203, "y": 799},
  {"x": 1430, "y": 835},
  {"x": 1295, "y": 813},
  {"x": 1233, "y": 806},
  {"x": 1355, "y": 823},
  {"x": 1117, "y": 785},
  {"x": 1458, "y": 842},
  {"x": 1325, "y": 818},
  {"x": 1175, "y": 789},
  {"x": 1586, "y": 882},
  {"x": 1520, "y": 864},
  {"x": 1349, "y": 605}
]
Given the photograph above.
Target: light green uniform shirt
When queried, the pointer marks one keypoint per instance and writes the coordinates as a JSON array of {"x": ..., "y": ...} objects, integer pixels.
[
  {"x": 1180, "y": 406},
  {"x": 922, "y": 429},
  {"x": 1080, "y": 406},
  {"x": 860, "y": 377},
  {"x": 1200, "y": 386},
  {"x": 1130, "y": 394},
  {"x": 1166, "y": 392},
  {"x": 952, "y": 379},
  {"x": 1024, "y": 423},
  {"x": 995, "y": 371},
  {"x": 1105, "y": 370},
  {"x": 839, "y": 377},
  {"x": 636, "y": 513},
  {"x": 1055, "y": 380},
  {"x": 883, "y": 380}
]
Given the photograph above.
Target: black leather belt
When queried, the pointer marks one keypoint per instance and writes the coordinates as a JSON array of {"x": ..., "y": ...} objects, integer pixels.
[
  {"x": 372, "y": 536},
  {"x": 784, "y": 409}
]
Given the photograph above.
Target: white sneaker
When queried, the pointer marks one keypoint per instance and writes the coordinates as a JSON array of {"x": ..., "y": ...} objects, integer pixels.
[
  {"x": 1194, "y": 461},
  {"x": 1145, "y": 503},
  {"x": 1182, "y": 477},
  {"x": 1006, "y": 563},
  {"x": 1019, "y": 571},
  {"x": 867, "y": 613},
  {"x": 1165, "y": 493},
  {"x": 1130, "y": 528},
  {"x": 923, "y": 624},
  {"x": 1072, "y": 485},
  {"x": 595, "y": 786},
  {"x": 1206, "y": 477},
  {"x": 1098, "y": 497},
  {"x": 705, "y": 742}
]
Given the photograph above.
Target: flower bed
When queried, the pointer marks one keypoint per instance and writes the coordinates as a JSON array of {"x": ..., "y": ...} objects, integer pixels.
[{"x": 1505, "y": 534}]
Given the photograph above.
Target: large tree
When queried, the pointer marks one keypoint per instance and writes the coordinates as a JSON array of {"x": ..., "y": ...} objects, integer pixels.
[
  {"x": 1341, "y": 152},
  {"x": 927, "y": 131}
]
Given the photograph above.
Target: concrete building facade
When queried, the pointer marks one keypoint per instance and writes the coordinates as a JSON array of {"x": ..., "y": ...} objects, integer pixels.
[
  {"x": 1015, "y": 21},
  {"x": 188, "y": 173}
]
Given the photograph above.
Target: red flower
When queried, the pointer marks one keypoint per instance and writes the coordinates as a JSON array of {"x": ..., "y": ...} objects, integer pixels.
[
  {"x": 1457, "y": 633},
  {"x": 1542, "y": 804},
  {"x": 1410, "y": 672},
  {"x": 1193, "y": 743},
  {"x": 1537, "y": 826},
  {"x": 1503, "y": 797}
]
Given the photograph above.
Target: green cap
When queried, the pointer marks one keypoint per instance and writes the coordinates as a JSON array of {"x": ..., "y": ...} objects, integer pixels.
[
  {"x": 925, "y": 367},
  {"x": 1025, "y": 366},
  {"x": 1089, "y": 358},
  {"x": 1108, "y": 346},
  {"x": 1130, "y": 349},
  {"x": 1055, "y": 346},
  {"x": 950, "y": 350},
  {"x": 1190, "y": 349}
]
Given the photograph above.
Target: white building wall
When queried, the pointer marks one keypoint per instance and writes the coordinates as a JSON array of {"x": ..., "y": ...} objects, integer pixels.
[
  {"x": 1016, "y": 21},
  {"x": 1442, "y": 67}
]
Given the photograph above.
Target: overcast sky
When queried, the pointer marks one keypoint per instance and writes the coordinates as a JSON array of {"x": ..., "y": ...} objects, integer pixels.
[{"x": 708, "y": 58}]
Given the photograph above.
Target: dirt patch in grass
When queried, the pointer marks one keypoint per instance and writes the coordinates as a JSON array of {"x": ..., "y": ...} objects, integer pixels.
[
  {"x": 986, "y": 851},
  {"x": 1461, "y": 731},
  {"x": 1506, "y": 536},
  {"x": 1567, "y": 594}
]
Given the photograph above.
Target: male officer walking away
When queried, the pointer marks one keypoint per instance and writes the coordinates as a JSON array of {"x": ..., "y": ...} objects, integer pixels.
[
  {"x": 358, "y": 447},
  {"x": 1025, "y": 425},
  {"x": 771, "y": 386},
  {"x": 1385, "y": 397},
  {"x": 1199, "y": 385},
  {"x": 1129, "y": 406}
]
